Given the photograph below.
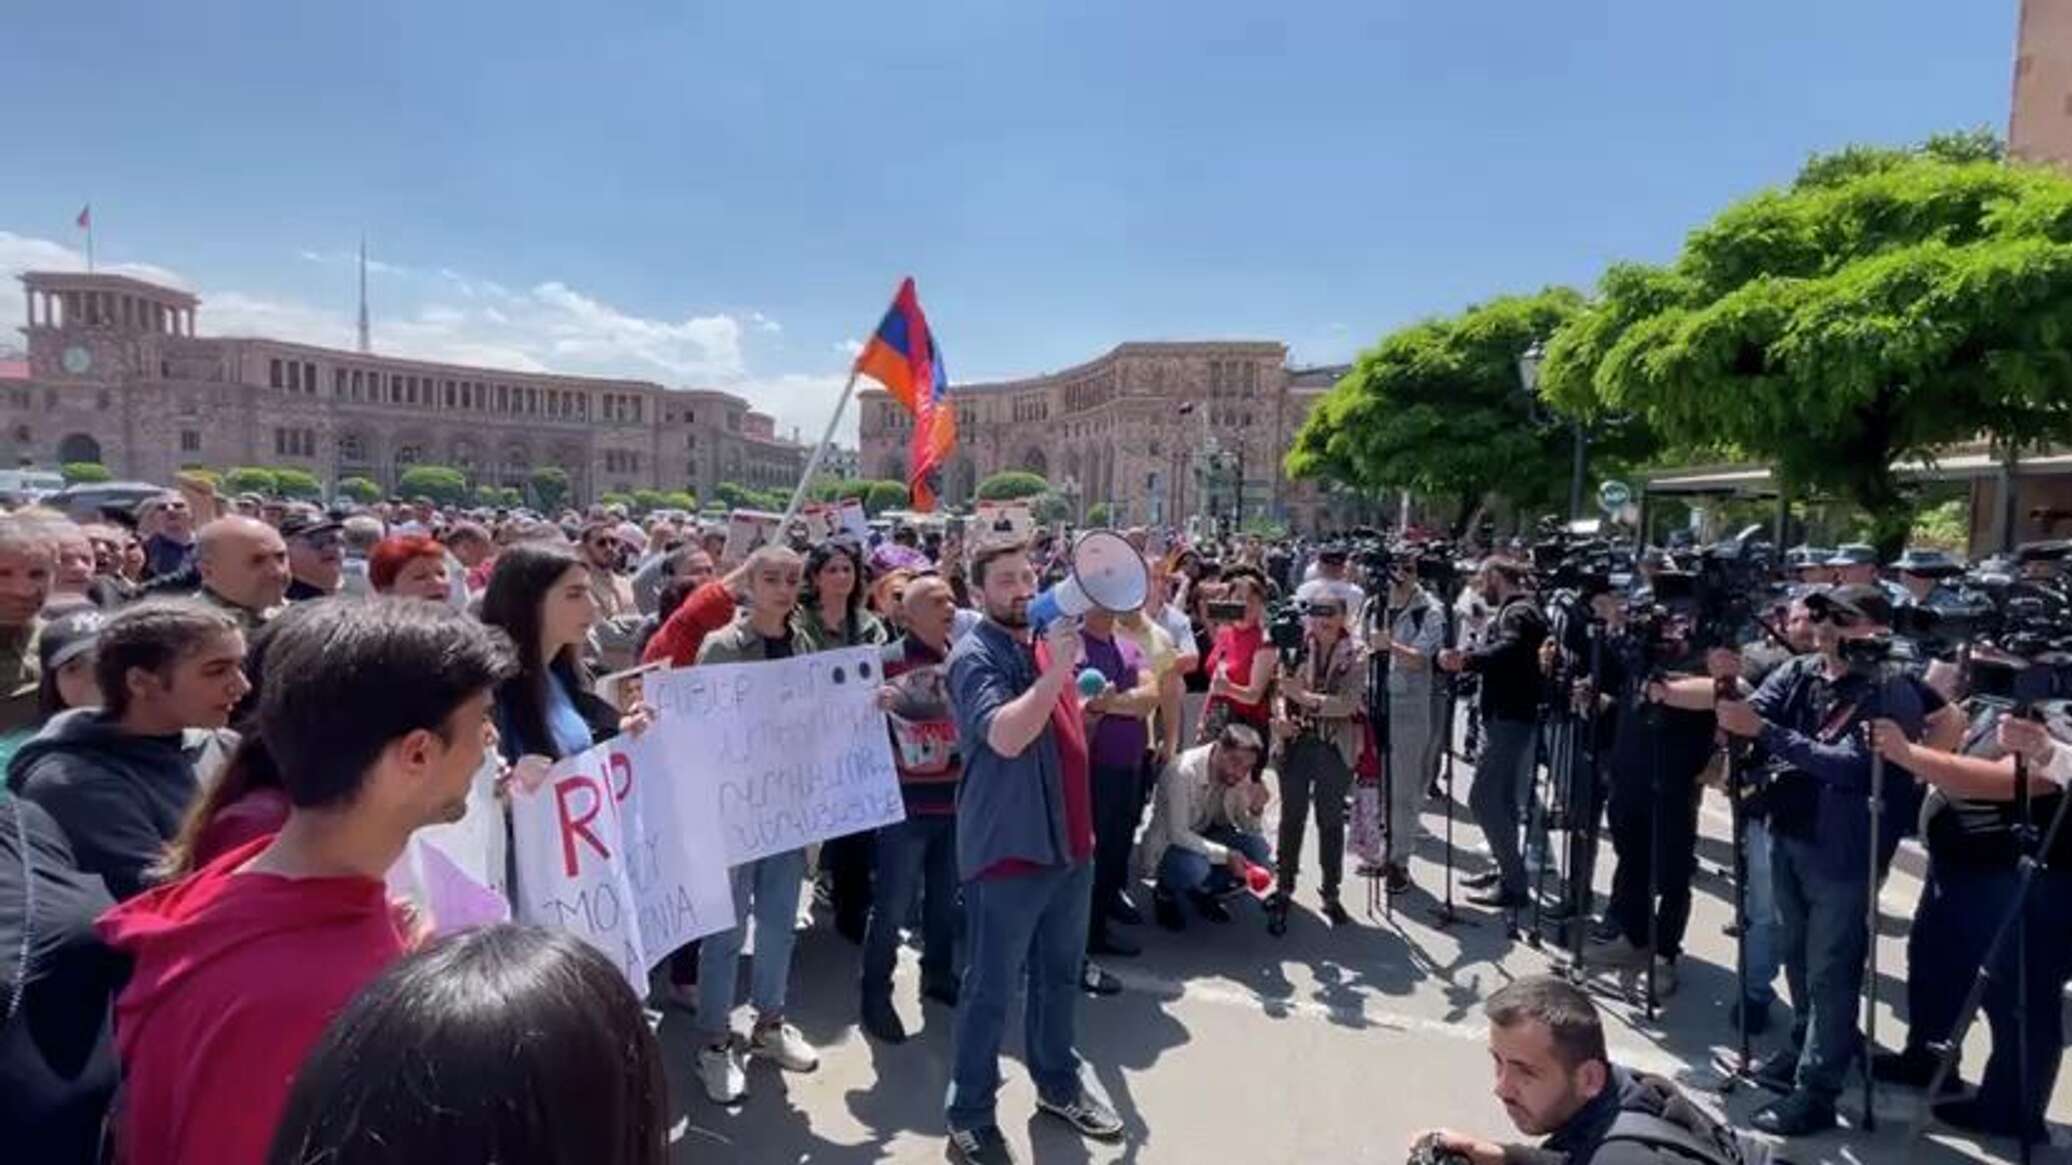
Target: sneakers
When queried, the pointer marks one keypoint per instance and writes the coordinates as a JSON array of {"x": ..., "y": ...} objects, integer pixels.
[
  {"x": 878, "y": 1017},
  {"x": 781, "y": 1044},
  {"x": 1481, "y": 881},
  {"x": 1796, "y": 1115},
  {"x": 1094, "y": 981},
  {"x": 1499, "y": 899},
  {"x": 980, "y": 1146},
  {"x": 1092, "y": 1118},
  {"x": 1913, "y": 1068},
  {"x": 722, "y": 1073}
]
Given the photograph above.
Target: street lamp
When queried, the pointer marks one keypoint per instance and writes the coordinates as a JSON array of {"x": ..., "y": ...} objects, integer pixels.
[{"x": 1529, "y": 379}]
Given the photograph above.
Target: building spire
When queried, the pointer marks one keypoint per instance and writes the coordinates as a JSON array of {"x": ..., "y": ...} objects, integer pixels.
[{"x": 366, "y": 343}]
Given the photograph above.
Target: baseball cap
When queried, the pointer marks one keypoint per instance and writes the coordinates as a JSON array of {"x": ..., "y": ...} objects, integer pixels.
[
  {"x": 68, "y": 637},
  {"x": 1863, "y": 601},
  {"x": 302, "y": 523}
]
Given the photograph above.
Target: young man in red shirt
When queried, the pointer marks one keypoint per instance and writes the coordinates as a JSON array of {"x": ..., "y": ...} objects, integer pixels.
[{"x": 376, "y": 715}]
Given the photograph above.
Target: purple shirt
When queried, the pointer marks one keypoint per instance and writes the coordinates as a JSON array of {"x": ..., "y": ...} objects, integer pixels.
[{"x": 1117, "y": 742}]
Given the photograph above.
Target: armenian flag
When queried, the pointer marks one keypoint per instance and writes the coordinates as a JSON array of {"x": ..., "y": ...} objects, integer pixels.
[{"x": 903, "y": 357}]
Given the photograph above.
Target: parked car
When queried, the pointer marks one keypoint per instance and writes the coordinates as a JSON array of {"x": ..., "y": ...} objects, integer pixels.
[
  {"x": 19, "y": 487},
  {"x": 102, "y": 500}
]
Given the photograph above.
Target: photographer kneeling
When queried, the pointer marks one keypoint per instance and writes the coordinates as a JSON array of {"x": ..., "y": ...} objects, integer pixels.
[
  {"x": 1205, "y": 826},
  {"x": 1556, "y": 1080},
  {"x": 1974, "y": 846}
]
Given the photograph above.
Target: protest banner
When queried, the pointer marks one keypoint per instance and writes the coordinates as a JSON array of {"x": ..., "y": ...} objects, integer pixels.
[
  {"x": 851, "y": 520},
  {"x": 453, "y": 873},
  {"x": 817, "y": 519},
  {"x": 995, "y": 523},
  {"x": 618, "y": 849},
  {"x": 747, "y": 530},
  {"x": 791, "y": 751}
]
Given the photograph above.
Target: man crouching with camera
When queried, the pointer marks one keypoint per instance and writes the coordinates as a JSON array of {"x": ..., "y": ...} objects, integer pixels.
[{"x": 1556, "y": 1080}]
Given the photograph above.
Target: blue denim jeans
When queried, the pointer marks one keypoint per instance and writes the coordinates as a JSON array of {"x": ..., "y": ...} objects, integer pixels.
[
  {"x": 1821, "y": 935},
  {"x": 918, "y": 855},
  {"x": 1182, "y": 869},
  {"x": 1027, "y": 927},
  {"x": 768, "y": 891},
  {"x": 1760, "y": 939}
]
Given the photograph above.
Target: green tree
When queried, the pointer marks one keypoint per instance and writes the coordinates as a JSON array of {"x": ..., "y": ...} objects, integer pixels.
[
  {"x": 488, "y": 495},
  {"x": 1048, "y": 507},
  {"x": 1011, "y": 486},
  {"x": 443, "y": 484},
  {"x": 615, "y": 499},
  {"x": 360, "y": 489},
  {"x": 250, "y": 479},
  {"x": 1886, "y": 305},
  {"x": 825, "y": 489},
  {"x": 884, "y": 495},
  {"x": 679, "y": 500},
  {"x": 1438, "y": 408},
  {"x": 549, "y": 485},
  {"x": 509, "y": 497},
  {"x": 735, "y": 496},
  {"x": 1099, "y": 514},
  {"x": 85, "y": 472},
  {"x": 291, "y": 482},
  {"x": 645, "y": 500}
]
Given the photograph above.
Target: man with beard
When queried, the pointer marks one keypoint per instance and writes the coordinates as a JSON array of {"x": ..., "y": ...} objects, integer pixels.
[
  {"x": 1556, "y": 1080},
  {"x": 1025, "y": 841},
  {"x": 316, "y": 554}
]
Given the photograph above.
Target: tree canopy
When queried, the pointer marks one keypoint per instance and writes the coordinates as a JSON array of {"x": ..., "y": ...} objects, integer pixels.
[
  {"x": 1887, "y": 304},
  {"x": 884, "y": 495},
  {"x": 250, "y": 479},
  {"x": 360, "y": 489},
  {"x": 1438, "y": 408},
  {"x": 85, "y": 472},
  {"x": 1011, "y": 486},
  {"x": 445, "y": 485},
  {"x": 549, "y": 485},
  {"x": 291, "y": 482}
]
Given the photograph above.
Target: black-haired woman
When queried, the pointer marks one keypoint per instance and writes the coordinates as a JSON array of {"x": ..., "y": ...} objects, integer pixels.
[
  {"x": 540, "y": 595},
  {"x": 508, "y": 1044},
  {"x": 832, "y": 615}
]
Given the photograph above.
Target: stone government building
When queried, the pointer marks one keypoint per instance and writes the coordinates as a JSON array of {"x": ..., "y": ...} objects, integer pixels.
[
  {"x": 118, "y": 374},
  {"x": 1119, "y": 429}
]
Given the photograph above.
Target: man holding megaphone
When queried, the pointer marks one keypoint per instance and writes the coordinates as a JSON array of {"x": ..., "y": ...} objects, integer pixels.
[{"x": 1025, "y": 840}]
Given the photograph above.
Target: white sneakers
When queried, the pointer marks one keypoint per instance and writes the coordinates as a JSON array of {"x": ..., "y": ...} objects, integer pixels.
[
  {"x": 723, "y": 1072},
  {"x": 781, "y": 1044},
  {"x": 723, "y": 1069}
]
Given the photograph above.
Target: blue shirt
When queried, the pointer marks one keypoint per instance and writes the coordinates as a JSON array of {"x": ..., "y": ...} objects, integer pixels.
[{"x": 566, "y": 725}]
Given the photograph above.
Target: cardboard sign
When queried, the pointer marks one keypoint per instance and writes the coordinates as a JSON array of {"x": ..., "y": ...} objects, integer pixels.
[
  {"x": 993, "y": 523},
  {"x": 851, "y": 520},
  {"x": 818, "y": 520},
  {"x": 747, "y": 530},
  {"x": 791, "y": 751},
  {"x": 618, "y": 848},
  {"x": 453, "y": 873}
]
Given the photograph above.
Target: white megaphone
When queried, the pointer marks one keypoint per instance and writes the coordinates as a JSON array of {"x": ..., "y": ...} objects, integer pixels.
[{"x": 1107, "y": 572}]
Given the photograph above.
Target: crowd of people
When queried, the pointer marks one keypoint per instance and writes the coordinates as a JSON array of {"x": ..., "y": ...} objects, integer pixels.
[{"x": 224, "y": 719}]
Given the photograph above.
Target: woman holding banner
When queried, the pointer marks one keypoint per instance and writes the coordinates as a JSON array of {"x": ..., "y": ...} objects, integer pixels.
[
  {"x": 831, "y": 614},
  {"x": 767, "y": 888},
  {"x": 539, "y": 594}
]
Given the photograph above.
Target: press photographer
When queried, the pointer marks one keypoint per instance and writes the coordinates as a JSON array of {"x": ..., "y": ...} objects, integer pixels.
[
  {"x": 1508, "y": 665},
  {"x": 1405, "y": 629},
  {"x": 1317, "y": 739},
  {"x": 1977, "y": 831},
  {"x": 1556, "y": 1080},
  {"x": 1808, "y": 721}
]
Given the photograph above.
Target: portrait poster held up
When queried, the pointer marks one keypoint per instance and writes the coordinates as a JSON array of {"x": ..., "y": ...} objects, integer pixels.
[
  {"x": 619, "y": 846},
  {"x": 791, "y": 751}
]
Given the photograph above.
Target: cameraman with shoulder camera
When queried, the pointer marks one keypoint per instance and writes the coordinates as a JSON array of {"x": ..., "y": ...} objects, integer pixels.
[
  {"x": 1556, "y": 1080},
  {"x": 1808, "y": 718},
  {"x": 1405, "y": 629},
  {"x": 1508, "y": 662},
  {"x": 1975, "y": 841}
]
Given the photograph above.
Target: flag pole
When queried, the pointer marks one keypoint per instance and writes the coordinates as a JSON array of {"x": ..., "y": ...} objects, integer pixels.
[{"x": 798, "y": 495}]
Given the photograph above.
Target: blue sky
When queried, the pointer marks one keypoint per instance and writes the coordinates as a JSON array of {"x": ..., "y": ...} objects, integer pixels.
[{"x": 725, "y": 195}]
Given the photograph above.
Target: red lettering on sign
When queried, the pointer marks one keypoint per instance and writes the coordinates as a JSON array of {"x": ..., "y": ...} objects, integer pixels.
[
  {"x": 621, "y": 771},
  {"x": 572, "y": 826}
]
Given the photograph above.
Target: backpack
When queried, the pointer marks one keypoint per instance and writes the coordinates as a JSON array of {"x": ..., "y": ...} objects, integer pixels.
[{"x": 1722, "y": 1147}]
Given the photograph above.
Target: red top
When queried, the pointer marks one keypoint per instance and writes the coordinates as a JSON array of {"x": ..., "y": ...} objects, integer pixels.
[
  {"x": 259, "y": 813},
  {"x": 1067, "y": 721},
  {"x": 676, "y": 641},
  {"x": 236, "y": 976},
  {"x": 1238, "y": 646}
]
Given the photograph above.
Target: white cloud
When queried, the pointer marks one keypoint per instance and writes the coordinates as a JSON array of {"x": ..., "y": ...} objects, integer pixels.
[
  {"x": 351, "y": 259},
  {"x": 19, "y": 253},
  {"x": 850, "y": 347},
  {"x": 764, "y": 323}
]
